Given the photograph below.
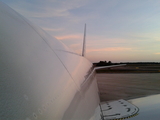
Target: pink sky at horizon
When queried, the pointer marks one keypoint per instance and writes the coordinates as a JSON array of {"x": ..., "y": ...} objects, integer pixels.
[
  {"x": 118, "y": 31},
  {"x": 106, "y": 54}
]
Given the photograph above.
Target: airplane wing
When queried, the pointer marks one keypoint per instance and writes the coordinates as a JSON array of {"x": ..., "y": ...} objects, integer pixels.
[
  {"x": 42, "y": 79},
  {"x": 145, "y": 108}
]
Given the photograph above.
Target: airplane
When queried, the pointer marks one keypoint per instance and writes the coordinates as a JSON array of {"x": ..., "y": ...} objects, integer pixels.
[{"x": 42, "y": 79}]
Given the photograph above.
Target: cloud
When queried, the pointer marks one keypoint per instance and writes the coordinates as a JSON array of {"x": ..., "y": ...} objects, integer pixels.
[
  {"x": 52, "y": 29},
  {"x": 69, "y": 37},
  {"x": 39, "y": 11},
  {"x": 157, "y": 53},
  {"x": 109, "y": 49},
  {"x": 47, "y": 8},
  {"x": 95, "y": 40}
]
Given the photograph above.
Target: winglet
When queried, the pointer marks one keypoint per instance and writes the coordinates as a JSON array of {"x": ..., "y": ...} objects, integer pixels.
[{"x": 84, "y": 41}]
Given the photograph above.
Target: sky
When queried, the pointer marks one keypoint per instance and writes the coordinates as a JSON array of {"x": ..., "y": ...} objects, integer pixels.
[{"x": 117, "y": 30}]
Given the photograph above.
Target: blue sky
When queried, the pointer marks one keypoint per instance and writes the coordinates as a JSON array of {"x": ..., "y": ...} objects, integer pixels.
[{"x": 117, "y": 30}]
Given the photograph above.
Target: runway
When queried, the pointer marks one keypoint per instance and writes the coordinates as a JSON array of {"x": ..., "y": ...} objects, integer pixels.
[{"x": 127, "y": 86}]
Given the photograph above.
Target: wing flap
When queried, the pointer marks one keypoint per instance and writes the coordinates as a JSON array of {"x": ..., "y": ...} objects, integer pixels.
[{"x": 119, "y": 109}]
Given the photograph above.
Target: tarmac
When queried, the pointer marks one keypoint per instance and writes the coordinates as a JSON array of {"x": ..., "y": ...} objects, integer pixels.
[
  {"x": 133, "y": 68},
  {"x": 114, "y": 86}
]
